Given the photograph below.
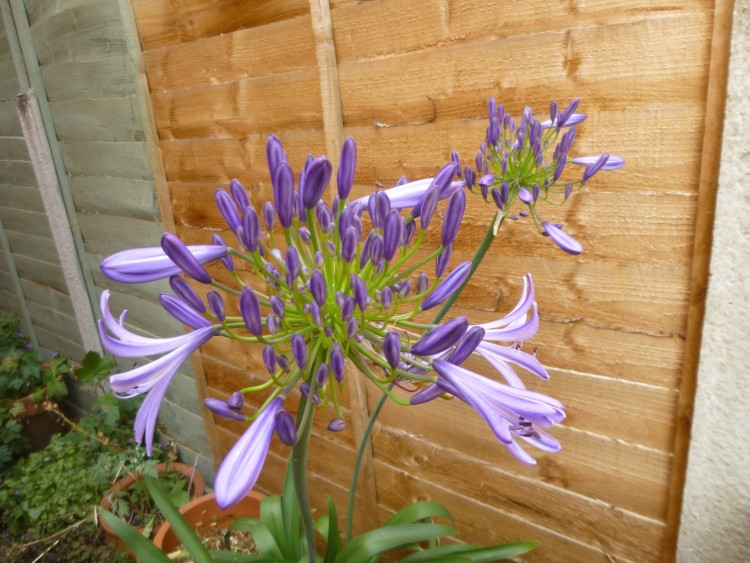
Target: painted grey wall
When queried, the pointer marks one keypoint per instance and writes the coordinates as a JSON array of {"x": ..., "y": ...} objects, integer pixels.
[{"x": 716, "y": 507}]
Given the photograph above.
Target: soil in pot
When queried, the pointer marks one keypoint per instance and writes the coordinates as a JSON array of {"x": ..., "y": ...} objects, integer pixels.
[{"x": 210, "y": 522}]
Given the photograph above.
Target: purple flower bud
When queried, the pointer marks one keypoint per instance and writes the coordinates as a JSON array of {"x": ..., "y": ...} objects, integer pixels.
[
  {"x": 269, "y": 215},
  {"x": 349, "y": 244},
  {"x": 321, "y": 375},
  {"x": 383, "y": 203},
  {"x": 336, "y": 425},
  {"x": 553, "y": 110},
  {"x": 297, "y": 211},
  {"x": 404, "y": 289},
  {"x": 304, "y": 234},
  {"x": 479, "y": 162},
  {"x": 563, "y": 116},
  {"x": 305, "y": 390},
  {"x": 470, "y": 177},
  {"x": 337, "y": 362},
  {"x": 408, "y": 234},
  {"x": 347, "y": 166},
  {"x": 269, "y": 358},
  {"x": 351, "y": 327},
  {"x": 216, "y": 304},
  {"x": 239, "y": 194},
  {"x": 392, "y": 234},
  {"x": 422, "y": 283},
  {"x": 592, "y": 169},
  {"x": 324, "y": 217},
  {"x": 292, "y": 261},
  {"x": 226, "y": 260},
  {"x": 427, "y": 206},
  {"x": 374, "y": 211},
  {"x": 272, "y": 323},
  {"x": 285, "y": 428},
  {"x": 562, "y": 239},
  {"x": 497, "y": 198},
  {"x": 559, "y": 167},
  {"x": 277, "y": 306},
  {"x": 454, "y": 213},
  {"x": 568, "y": 190},
  {"x": 468, "y": 344},
  {"x": 612, "y": 163},
  {"x": 318, "y": 287},
  {"x": 441, "y": 337},
  {"x": 360, "y": 291},
  {"x": 426, "y": 394},
  {"x": 274, "y": 153},
  {"x": 392, "y": 348},
  {"x": 386, "y": 297},
  {"x": 236, "y": 400},
  {"x": 442, "y": 261},
  {"x": 283, "y": 362},
  {"x": 251, "y": 233},
  {"x": 448, "y": 286},
  {"x": 525, "y": 196},
  {"x": 299, "y": 350},
  {"x": 250, "y": 310},
  {"x": 180, "y": 254},
  {"x": 491, "y": 108},
  {"x": 493, "y": 132},
  {"x": 347, "y": 307},
  {"x": 283, "y": 192},
  {"x": 316, "y": 180},
  {"x": 187, "y": 293},
  {"x": 535, "y": 192},
  {"x": 227, "y": 209},
  {"x": 345, "y": 220},
  {"x": 376, "y": 246},
  {"x": 183, "y": 312},
  {"x": 504, "y": 192},
  {"x": 444, "y": 178},
  {"x": 219, "y": 407}
]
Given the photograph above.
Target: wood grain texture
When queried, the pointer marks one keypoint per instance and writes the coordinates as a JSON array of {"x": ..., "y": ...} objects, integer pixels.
[{"x": 413, "y": 80}]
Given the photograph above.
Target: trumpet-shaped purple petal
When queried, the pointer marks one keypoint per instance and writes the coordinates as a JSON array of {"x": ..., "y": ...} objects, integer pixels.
[
  {"x": 562, "y": 239},
  {"x": 502, "y": 356},
  {"x": 148, "y": 412},
  {"x": 448, "y": 286},
  {"x": 240, "y": 469},
  {"x": 141, "y": 265},
  {"x": 503, "y": 408}
]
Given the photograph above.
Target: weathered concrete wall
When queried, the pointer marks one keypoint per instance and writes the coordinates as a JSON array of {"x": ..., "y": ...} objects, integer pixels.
[{"x": 716, "y": 508}]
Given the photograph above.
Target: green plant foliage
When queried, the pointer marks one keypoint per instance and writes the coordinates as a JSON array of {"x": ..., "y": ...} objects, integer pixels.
[{"x": 12, "y": 442}]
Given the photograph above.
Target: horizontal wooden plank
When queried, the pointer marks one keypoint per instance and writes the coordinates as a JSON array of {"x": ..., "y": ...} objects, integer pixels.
[
  {"x": 53, "y": 320},
  {"x": 39, "y": 247},
  {"x": 88, "y": 32},
  {"x": 13, "y": 148},
  {"x": 118, "y": 160},
  {"x": 52, "y": 342},
  {"x": 27, "y": 198},
  {"x": 107, "y": 234},
  {"x": 25, "y": 222},
  {"x": 37, "y": 10},
  {"x": 124, "y": 197},
  {"x": 107, "y": 119},
  {"x": 234, "y": 109},
  {"x": 41, "y": 273},
  {"x": 184, "y": 425},
  {"x": 160, "y": 24},
  {"x": 626, "y": 534},
  {"x": 48, "y": 298},
  {"x": 9, "y": 124},
  {"x": 230, "y": 57},
  {"x": 17, "y": 172},
  {"x": 9, "y": 85},
  {"x": 110, "y": 77}
]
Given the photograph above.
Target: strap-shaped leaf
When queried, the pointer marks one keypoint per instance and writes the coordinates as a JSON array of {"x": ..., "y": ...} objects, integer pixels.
[
  {"x": 272, "y": 516},
  {"x": 380, "y": 540},
  {"x": 290, "y": 512},
  {"x": 265, "y": 542},
  {"x": 472, "y": 553},
  {"x": 419, "y": 511},
  {"x": 184, "y": 531},
  {"x": 141, "y": 546},
  {"x": 333, "y": 537}
]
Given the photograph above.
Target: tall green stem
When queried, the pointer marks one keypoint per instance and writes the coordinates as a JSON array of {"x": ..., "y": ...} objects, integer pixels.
[
  {"x": 484, "y": 246},
  {"x": 299, "y": 475}
]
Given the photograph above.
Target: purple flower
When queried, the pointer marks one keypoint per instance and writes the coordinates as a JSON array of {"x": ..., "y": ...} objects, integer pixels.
[
  {"x": 562, "y": 239},
  {"x": 347, "y": 166},
  {"x": 317, "y": 175},
  {"x": 227, "y": 209},
  {"x": 285, "y": 428},
  {"x": 221, "y": 408},
  {"x": 509, "y": 411},
  {"x": 241, "y": 467},
  {"x": 441, "y": 337},
  {"x": 187, "y": 293},
  {"x": 450, "y": 284},
  {"x": 250, "y": 310},
  {"x": 153, "y": 377},
  {"x": 141, "y": 265},
  {"x": 239, "y": 194},
  {"x": 611, "y": 163},
  {"x": 182, "y": 311}
]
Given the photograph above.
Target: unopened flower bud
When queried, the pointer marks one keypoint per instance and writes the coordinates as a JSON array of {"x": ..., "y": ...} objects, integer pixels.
[
  {"x": 441, "y": 262},
  {"x": 183, "y": 312},
  {"x": 336, "y": 425},
  {"x": 422, "y": 283},
  {"x": 221, "y": 408},
  {"x": 226, "y": 260},
  {"x": 285, "y": 428},
  {"x": 179, "y": 253},
  {"x": 269, "y": 358},
  {"x": 318, "y": 287},
  {"x": 562, "y": 239},
  {"x": 467, "y": 345},
  {"x": 236, "y": 400},
  {"x": 337, "y": 362},
  {"x": 441, "y": 337},
  {"x": 317, "y": 175},
  {"x": 269, "y": 215},
  {"x": 239, "y": 194},
  {"x": 227, "y": 209},
  {"x": 351, "y": 327},
  {"x": 347, "y": 166},
  {"x": 392, "y": 348},
  {"x": 216, "y": 304},
  {"x": 283, "y": 193},
  {"x": 250, "y": 310},
  {"x": 448, "y": 286},
  {"x": 187, "y": 293},
  {"x": 321, "y": 375},
  {"x": 299, "y": 350},
  {"x": 454, "y": 213}
]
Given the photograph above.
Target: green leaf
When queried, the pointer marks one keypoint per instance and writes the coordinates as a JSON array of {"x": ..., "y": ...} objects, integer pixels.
[
  {"x": 264, "y": 539},
  {"x": 473, "y": 553},
  {"x": 143, "y": 549},
  {"x": 333, "y": 537},
  {"x": 94, "y": 367},
  {"x": 380, "y": 540},
  {"x": 290, "y": 512},
  {"x": 419, "y": 511},
  {"x": 187, "y": 535},
  {"x": 272, "y": 516}
]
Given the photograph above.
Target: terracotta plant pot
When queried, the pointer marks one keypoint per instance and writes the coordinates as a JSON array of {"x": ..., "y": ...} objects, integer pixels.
[
  {"x": 39, "y": 422},
  {"x": 196, "y": 490},
  {"x": 204, "y": 511}
]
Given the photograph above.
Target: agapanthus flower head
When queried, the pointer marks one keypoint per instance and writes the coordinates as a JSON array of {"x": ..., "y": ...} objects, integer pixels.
[{"x": 334, "y": 291}]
